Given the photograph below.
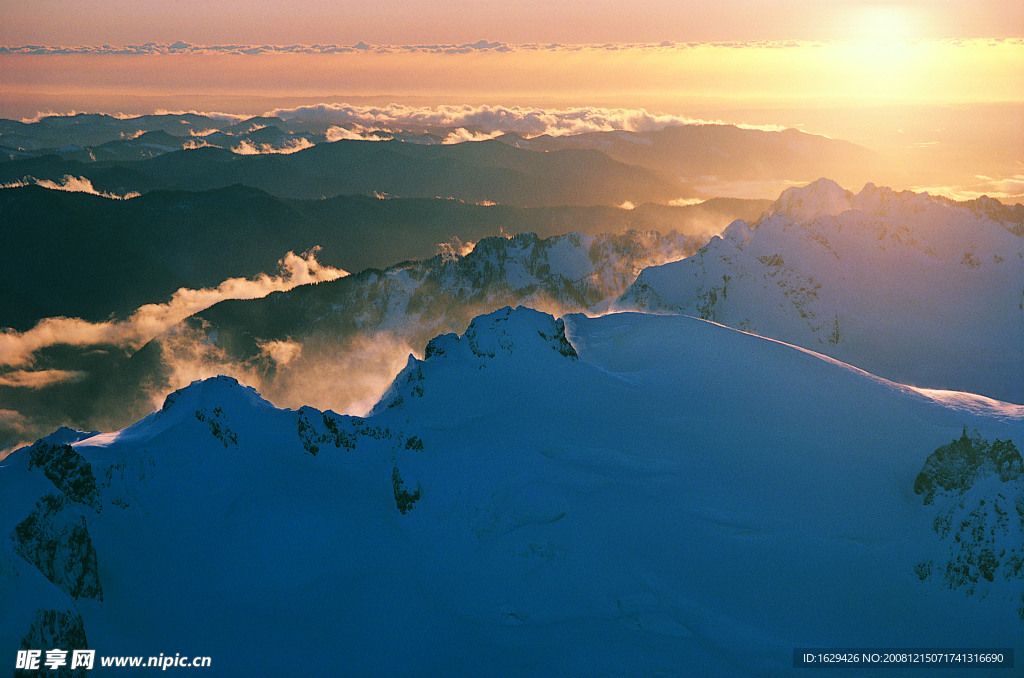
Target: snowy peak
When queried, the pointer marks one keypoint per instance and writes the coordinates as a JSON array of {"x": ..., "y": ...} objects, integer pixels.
[
  {"x": 820, "y": 198},
  {"x": 213, "y": 392},
  {"x": 66, "y": 435},
  {"x": 826, "y": 198},
  {"x": 572, "y": 268},
  {"x": 508, "y": 331},
  {"x": 517, "y": 339},
  {"x": 215, "y": 406}
]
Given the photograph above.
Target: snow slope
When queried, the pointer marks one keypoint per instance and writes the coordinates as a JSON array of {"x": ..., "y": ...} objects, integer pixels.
[
  {"x": 919, "y": 289},
  {"x": 624, "y": 495}
]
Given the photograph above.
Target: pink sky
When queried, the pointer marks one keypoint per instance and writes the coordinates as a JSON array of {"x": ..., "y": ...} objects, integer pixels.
[{"x": 56, "y": 22}]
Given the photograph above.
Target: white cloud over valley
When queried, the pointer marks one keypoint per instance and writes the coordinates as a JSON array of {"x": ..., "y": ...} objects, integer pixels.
[
  {"x": 70, "y": 184},
  {"x": 17, "y": 348},
  {"x": 475, "y": 123}
]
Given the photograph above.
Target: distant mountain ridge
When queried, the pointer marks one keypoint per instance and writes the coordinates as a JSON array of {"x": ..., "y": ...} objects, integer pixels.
[
  {"x": 116, "y": 255},
  {"x": 709, "y": 152},
  {"x": 913, "y": 287},
  {"x": 680, "y": 161},
  {"x": 475, "y": 172}
]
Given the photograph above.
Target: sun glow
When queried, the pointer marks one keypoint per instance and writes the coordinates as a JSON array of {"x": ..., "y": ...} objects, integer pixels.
[
  {"x": 865, "y": 67},
  {"x": 886, "y": 24}
]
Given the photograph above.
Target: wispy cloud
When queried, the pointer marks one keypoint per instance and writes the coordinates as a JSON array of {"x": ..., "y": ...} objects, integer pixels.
[
  {"x": 15, "y": 428},
  {"x": 70, "y": 184},
  {"x": 246, "y": 147},
  {"x": 13, "y": 419},
  {"x": 17, "y": 348},
  {"x": 455, "y": 249},
  {"x": 1006, "y": 189},
  {"x": 152, "y": 48},
  {"x": 346, "y": 375},
  {"x": 461, "y": 134},
  {"x": 356, "y": 133},
  {"x": 38, "y": 378},
  {"x": 282, "y": 351}
]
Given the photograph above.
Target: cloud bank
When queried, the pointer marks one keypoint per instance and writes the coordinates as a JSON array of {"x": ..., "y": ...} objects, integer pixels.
[
  {"x": 17, "y": 348},
  {"x": 457, "y": 122},
  {"x": 474, "y": 123}
]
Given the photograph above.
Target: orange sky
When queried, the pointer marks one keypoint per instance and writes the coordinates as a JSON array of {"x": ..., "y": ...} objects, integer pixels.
[
  {"x": 835, "y": 52},
  {"x": 830, "y": 74},
  {"x": 888, "y": 74}
]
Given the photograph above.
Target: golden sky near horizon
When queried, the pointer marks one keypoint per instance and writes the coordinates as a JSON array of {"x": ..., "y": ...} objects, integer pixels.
[
  {"x": 835, "y": 73},
  {"x": 731, "y": 59},
  {"x": 828, "y": 52}
]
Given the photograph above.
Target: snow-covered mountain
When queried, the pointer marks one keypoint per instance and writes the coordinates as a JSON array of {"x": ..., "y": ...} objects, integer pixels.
[
  {"x": 362, "y": 329},
  {"x": 917, "y": 288},
  {"x": 624, "y": 495}
]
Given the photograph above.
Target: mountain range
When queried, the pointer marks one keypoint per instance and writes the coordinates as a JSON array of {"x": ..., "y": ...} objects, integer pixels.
[
  {"x": 333, "y": 344},
  {"x": 913, "y": 287},
  {"x": 679, "y": 161},
  {"x": 632, "y": 493},
  {"x": 487, "y": 171},
  {"x": 550, "y": 419},
  {"x": 115, "y": 255}
]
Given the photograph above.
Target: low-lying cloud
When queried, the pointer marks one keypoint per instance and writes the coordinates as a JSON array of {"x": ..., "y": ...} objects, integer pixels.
[
  {"x": 356, "y": 133},
  {"x": 345, "y": 375},
  {"x": 246, "y": 147},
  {"x": 455, "y": 249},
  {"x": 1006, "y": 189},
  {"x": 72, "y": 185},
  {"x": 457, "y": 136},
  {"x": 474, "y": 123},
  {"x": 17, "y": 348},
  {"x": 38, "y": 378}
]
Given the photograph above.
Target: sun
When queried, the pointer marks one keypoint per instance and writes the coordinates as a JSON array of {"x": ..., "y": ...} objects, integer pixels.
[{"x": 885, "y": 23}]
